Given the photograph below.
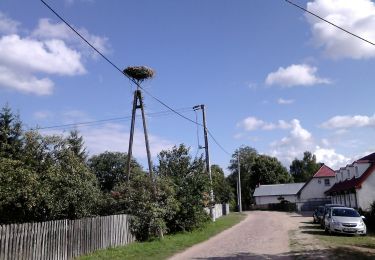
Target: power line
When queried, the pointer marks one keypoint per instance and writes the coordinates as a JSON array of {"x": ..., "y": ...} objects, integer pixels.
[
  {"x": 114, "y": 65},
  {"x": 84, "y": 39},
  {"x": 217, "y": 143},
  {"x": 96, "y": 122},
  {"x": 321, "y": 18},
  {"x": 118, "y": 69}
]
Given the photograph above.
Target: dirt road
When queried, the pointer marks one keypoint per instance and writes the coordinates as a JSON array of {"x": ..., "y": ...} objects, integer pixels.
[{"x": 262, "y": 235}]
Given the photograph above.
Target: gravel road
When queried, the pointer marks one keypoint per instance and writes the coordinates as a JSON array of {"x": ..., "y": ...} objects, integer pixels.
[{"x": 262, "y": 235}]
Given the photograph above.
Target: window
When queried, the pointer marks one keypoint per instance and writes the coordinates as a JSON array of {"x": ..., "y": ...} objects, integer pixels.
[
  {"x": 348, "y": 174},
  {"x": 356, "y": 172},
  {"x": 319, "y": 181},
  {"x": 326, "y": 182}
]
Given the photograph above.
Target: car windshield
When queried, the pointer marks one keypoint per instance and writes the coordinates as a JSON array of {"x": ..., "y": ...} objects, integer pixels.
[{"x": 345, "y": 213}]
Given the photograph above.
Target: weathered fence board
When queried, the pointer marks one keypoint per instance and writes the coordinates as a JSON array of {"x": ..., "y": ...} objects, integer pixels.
[{"x": 63, "y": 239}]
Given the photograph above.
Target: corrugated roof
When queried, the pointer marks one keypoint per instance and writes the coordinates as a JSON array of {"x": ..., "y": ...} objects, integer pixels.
[
  {"x": 324, "y": 171},
  {"x": 278, "y": 189}
]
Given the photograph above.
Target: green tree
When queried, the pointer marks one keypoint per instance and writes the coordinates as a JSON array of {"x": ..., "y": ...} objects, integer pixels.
[
  {"x": 191, "y": 184},
  {"x": 221, "y": 187},
  {"x": 268, "y": 170},
  {"x": 110, "y": 169},
  {"x": 77, "y": 145},
  {"x": 303, "y": 170},
  {"x": 255, "y": 169},
  {"x": 10, "y": 134},
  {"x": 69, "y": 187},
  {"x": 151, "y": 204},
  {"x": 20, "y": 192},
  {"x": 247, "y": 159}
]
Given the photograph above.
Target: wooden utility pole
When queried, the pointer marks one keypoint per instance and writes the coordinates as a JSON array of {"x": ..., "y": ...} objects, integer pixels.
[
  {"x": 138, "y": 103},
  {"x": 208, "y": 168}
]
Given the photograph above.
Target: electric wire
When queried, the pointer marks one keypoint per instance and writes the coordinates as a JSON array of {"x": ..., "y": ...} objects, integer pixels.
[
  {"x": 101, "y": 121},
  {"x": 335, "y": 25},
  {"x": 217, "y": 143},
  {"x": 135, "y": 82}
]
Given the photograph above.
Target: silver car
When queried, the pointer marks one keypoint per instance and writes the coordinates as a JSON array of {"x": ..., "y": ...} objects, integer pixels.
[{"x": 344, "y": 220}]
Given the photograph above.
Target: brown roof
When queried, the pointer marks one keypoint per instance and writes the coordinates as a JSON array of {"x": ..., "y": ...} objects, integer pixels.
[
  {"x": 367, "y": 158},
  {"x": 324, "y": 171},
  {"x": 353, "y": 183}
]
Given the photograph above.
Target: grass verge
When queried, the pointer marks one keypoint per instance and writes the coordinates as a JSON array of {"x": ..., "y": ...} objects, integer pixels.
[
  {"x": 348, "y": 240},
  {"x": 334, "y": 247},
  {"x": 171, "y": 244}
]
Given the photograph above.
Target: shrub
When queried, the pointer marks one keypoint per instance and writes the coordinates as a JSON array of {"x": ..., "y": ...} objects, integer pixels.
[
  {"x": 191, "y": 184},
  {"x": 284, "y": 205},
  {"x": 150, "y": 210}
]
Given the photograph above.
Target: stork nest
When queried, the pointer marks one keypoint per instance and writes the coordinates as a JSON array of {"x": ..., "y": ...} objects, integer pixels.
[{"x": 139, "y": 73}]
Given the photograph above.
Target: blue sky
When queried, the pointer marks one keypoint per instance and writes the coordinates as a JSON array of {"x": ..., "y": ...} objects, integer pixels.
[{"x": 271, "y": 77}]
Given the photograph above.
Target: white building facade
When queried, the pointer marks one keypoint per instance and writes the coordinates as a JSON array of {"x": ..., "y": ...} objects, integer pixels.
[
  {"x": 312, "y": 194},
  {"x": 355, "y": 184}
]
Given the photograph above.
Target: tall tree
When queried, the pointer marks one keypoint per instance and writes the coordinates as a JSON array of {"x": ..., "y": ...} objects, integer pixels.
[
  {"x": 255, "y": 169},
  {"x": 303, "y": 170},
  {"x": 10, "y": 134},
  {"x": 247, "y": 159},
  {"x": 222, "y": 190},
  {"x": 191, "y": 184},
  {"x": 110, "y": 169},
  {"x": 268, "y": 170},
  {"x": 77, "y": 145}
]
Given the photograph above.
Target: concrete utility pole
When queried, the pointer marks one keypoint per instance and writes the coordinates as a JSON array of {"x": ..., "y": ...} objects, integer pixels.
[
  {"x": 239, "y": 196},
  {"x": 208, "y": 168}
]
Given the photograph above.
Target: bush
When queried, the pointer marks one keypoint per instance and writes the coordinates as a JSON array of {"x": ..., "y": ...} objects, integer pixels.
[
  {"x": 369, "y": 216},
  {"x": 284, "y": 205},
  {"x": 191, "y": 184},
  {"x": 149, "y": 210}
]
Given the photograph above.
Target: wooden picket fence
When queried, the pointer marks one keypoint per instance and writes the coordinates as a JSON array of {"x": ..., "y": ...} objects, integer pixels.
[{"x": 63, "y": 239}]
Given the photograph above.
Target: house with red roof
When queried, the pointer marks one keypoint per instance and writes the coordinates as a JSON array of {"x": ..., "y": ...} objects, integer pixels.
[
  {"x": 312, "y": 193},
  {"x": 355, "y": 184}
]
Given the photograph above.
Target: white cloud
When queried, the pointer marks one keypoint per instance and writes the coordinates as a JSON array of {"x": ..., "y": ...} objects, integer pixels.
[
  {"x": 50, "y": 49},
  {"x": 349, "y": 122},
  {"x": 115, "y": 137},
  {"x": 52, "y": 56},
  {"x": 331, "y": 158},
  {"x": 8, "y": 25},
  {"x": 20, "y": 58},
  {"x": 253, "y": 123},
  {"x": 295, "y": 75},
  {"x": 48, "y": 30},
  {"x": 355, "y": 16},
  {"x": 300, "y": 140},
  {"x": 25, "y": 82},
  {"x": 293, "y": 145},
  {"x": 282, "y": 101}
]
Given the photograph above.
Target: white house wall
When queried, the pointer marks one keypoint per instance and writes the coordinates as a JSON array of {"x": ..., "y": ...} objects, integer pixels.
[
  {"x": 362, "y": 167},
  {"x": 315, "y": 190},
  {"x": 366, "y": 195},
  {"x": 263, "y": 200}
]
